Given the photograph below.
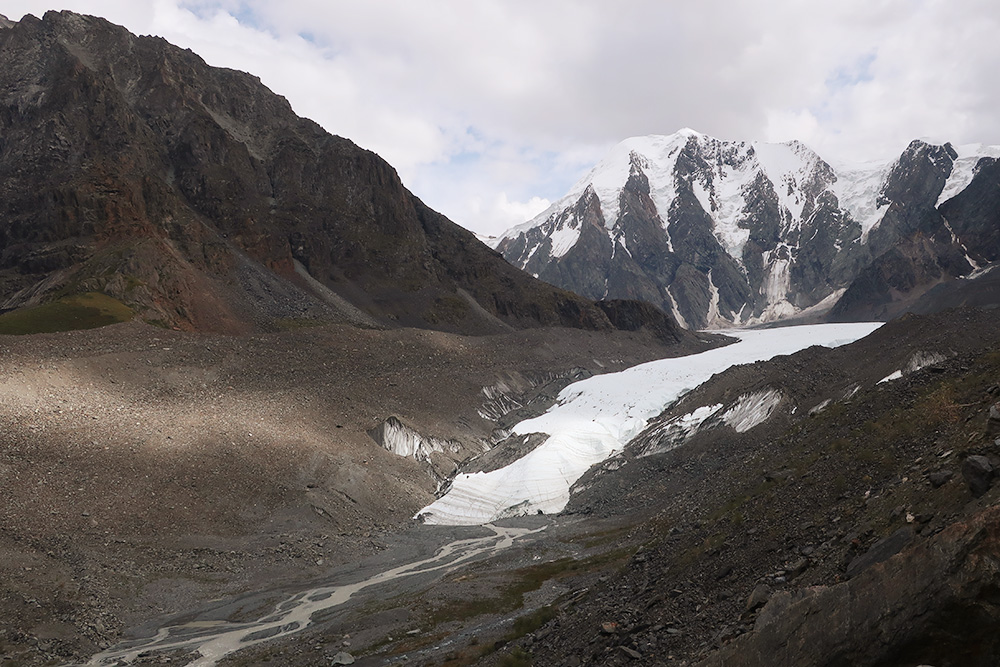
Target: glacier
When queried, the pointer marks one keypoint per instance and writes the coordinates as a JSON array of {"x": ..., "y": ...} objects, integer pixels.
[{"x": 595, "y": 418}]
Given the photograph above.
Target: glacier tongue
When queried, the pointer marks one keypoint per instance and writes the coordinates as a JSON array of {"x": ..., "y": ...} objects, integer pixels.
[{"x": 595, "y": 418}]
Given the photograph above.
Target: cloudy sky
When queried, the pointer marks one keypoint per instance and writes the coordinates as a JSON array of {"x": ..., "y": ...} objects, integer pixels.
[{"x": 491, "y": 108}]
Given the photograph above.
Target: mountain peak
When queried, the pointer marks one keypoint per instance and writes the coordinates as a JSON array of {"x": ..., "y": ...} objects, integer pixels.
[
  {"x": 195, "y": 196},
  {"x": 731, "y": 232},
  {"x": 688, "y": 132},
  {"x": 657, "y": 142}
]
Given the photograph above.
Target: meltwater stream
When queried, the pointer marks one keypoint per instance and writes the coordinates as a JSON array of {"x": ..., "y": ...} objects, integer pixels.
[{"x": 213, "y": 640}]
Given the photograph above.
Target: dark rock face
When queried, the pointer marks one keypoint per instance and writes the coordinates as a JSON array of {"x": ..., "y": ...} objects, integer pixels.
[
  {"x": 711, "y": 280},
  {"x": 821, "y": 268},
  {"x": 978, "y": 473},
  {"x": 912, "y": 247},
  {"x": 880, "y": 551},
  {"x": 759, "y": 597},
  {"x": 974, "y": 213},
  {"x": 933, "y": 603},
  {"x": 632, "y": 315},
  {"x": 197, "y": 197},
  {"x": 911, "y": 190},
  {"x": 894, "y": 280},
  {"x": 940, "y": 478},
  {"x": 728, "y": 233},
  {"x": 993, "y": 421},
  {"x": 979, "y": 289}
]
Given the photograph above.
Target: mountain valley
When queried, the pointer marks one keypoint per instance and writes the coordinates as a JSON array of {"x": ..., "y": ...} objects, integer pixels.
[{"x": 735, "y": 405}]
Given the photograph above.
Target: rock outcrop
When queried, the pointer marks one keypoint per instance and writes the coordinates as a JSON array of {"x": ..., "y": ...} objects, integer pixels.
[
  {"x": 933, "y": 603},
  {"x": 198, "y": 198}
]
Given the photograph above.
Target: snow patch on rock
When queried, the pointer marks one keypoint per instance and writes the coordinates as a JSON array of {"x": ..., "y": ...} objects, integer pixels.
[
  {"x": 917, "y": 361},
  {"x": 964, "y": 168},
  {"x": 788, "y": 166},
  {"x": 565, "y": 235},
  {"x": 857, "y": 189},
  {"x": 748, "y": 411},
  {"x": 923, "y": 360},
  {"x": 675, "y": 311},
  {"x": 776, "y": 287},
  {"x": 500, "y": 399},
  {"x": 895, "y": 375},
  {"x": 679, "y": 430}
]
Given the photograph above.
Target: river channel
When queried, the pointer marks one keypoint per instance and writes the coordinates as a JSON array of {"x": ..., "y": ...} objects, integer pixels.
[{"x": 212, "y": 640}]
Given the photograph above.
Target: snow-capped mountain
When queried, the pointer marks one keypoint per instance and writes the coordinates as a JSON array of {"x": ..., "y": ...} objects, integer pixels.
[{"x": 723, "y": 233}]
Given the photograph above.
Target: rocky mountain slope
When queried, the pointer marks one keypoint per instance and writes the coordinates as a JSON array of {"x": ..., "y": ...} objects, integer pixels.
[
  {"x": 276, "y": 401},
  {"x": 196, "y": 197},
  {"x": 853, "y": 526},
  {"x": 832, "y": 507},
  {"x": 724, "y": 233}
]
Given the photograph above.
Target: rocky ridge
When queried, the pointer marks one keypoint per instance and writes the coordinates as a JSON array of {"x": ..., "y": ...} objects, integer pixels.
[
  {"x": 725, "y": 232},
  {"x": 197, "y": 198}
]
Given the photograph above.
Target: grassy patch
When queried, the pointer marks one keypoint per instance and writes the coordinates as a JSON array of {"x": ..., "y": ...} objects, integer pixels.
[
  {"x": 409, "y": 644},
  {"x": 942, "y": 405},
  {"x": 733, "y": 508},
  {"x": 598, "y": 539},
  {"x": 80, "y": 311},
  {"x": 512, "y": 597},
  {"x": 695, "y": 553},
  {"x": 516, "y": 658},
  {"x": 523, "y": 625},
  {"x": 528, "y": 623},
  {"x": 526, "y": 580}
]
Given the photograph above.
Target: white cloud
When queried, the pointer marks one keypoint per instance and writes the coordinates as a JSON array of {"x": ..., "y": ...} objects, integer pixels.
[
  {"x": 501, "y": 213},
  {"x": 481, "y": 105}
]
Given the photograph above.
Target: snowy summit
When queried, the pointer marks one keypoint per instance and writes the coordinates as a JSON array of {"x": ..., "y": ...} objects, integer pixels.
[{"x": 728, "y": 233}]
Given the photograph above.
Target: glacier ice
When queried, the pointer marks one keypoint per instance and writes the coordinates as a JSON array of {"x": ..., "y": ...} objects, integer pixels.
[
  {"x": 595, "y": 418},
  {"x": 751, "y": 409}
]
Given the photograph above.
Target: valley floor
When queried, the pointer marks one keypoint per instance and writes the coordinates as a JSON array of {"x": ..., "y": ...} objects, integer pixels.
[
  {"x": 146, "y": 471},
  {"x": 854, "y": 526}
]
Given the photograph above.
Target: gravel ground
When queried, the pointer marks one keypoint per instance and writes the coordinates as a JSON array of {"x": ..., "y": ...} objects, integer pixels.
[{"x": 144, "y": 471}]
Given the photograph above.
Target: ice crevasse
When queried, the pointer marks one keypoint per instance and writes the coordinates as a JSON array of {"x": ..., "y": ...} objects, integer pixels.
[{"x": 595, "y": 418}]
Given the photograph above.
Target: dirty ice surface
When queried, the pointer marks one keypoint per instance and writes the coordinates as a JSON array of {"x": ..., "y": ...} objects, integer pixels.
[{"x": 594, "y": 419}]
